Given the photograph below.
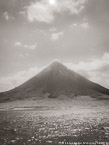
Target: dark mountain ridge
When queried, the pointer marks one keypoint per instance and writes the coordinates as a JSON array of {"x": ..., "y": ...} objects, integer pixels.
[{"x": 56, "y": 79}]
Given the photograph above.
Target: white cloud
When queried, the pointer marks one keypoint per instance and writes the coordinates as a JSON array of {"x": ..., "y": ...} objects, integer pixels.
[
  {"x": 27, "y": 54},
  {"x": 52, "y": 2},
  {"x": 21, "y": 55},
  {"x": 30, "y": 47},
  {"x": 83, "y": 25},
  {"x": 40, "y": 12},
  {"x": 74, "y": 25},
  {"x": 24, "y": 55},
  {"x": 9, "y": 82},
  {"x": 106, "y": 57},
  {"x": 96, "y": 70},
  {"x": 8, "y": 16},
  {"x": 52, "y": 29},
  {"x": 55, "y": 36},
  {"x": 18, "y": 44},
  {"x": 23, "y": 13},
  {"x": 44, "y": 11}
]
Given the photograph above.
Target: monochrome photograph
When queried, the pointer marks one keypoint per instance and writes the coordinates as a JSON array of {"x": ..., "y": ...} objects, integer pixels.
[{"x": 54, "y": 72}]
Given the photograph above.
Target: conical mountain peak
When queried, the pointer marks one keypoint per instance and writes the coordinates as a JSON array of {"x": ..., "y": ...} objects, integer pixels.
[
  {"x": 56, "y": 63},
  {"x": 55, "y": 66},
  {"x": 56, "y": 79}
]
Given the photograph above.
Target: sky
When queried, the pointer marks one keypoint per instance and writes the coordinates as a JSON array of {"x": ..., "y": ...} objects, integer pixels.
[{"x": 34, "y": 33}]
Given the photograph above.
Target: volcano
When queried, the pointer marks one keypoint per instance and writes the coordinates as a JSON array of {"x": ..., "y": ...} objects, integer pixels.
[{"x": 56, "y": 79}]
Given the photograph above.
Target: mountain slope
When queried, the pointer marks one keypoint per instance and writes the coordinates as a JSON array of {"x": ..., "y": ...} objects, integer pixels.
[{"x": 55, "y": 79}]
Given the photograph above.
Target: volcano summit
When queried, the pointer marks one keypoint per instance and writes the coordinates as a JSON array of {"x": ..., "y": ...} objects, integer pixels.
[{"x": 56, "y": 79}]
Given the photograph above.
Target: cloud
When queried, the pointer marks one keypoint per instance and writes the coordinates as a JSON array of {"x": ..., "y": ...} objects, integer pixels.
[
  {"x": 18, "y": 44},
  {"x": 10, "y": 82},
  {"x": 14, "y": 80},
  {"x": 27, "y": 54},
  {"x": 23, "y": 13},
  {"x": 96, "y": 70},
  {"x": 8, "y": 16},
  {"x": 44, "y": 11},
  {"x": 40, "y": 12},
  {"x": 74, "y": 25},
  {"x": 52, "y": 29},
  {"x": 22, "y": 55},
  {"x": 30, "y": 47},
  {"x": 55, "y": 36},
  {"x": 83, "y": 25}
]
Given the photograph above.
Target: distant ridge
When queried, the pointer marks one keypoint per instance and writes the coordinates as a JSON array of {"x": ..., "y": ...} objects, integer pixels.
[{"x": 56, "y": 79}]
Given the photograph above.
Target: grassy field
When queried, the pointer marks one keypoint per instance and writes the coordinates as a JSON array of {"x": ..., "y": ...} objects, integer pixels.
[{"x": 54, "y": 121}]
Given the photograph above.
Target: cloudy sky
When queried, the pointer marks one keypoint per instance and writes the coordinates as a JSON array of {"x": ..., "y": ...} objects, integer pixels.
[{"x": 35, "y": 32}]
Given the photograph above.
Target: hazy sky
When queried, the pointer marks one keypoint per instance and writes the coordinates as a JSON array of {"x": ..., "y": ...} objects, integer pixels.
[{"x": 35, "y": 32}]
